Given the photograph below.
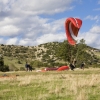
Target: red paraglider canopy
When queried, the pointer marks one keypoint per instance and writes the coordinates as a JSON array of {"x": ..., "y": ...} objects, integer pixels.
[
  {"x": 72, "y": 26},
  {"x": 62, "y": 68},
  {"x": 51, "y": 69}
]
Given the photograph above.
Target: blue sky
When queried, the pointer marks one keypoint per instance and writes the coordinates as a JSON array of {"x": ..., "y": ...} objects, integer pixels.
[{"x": 34, "y": 22}]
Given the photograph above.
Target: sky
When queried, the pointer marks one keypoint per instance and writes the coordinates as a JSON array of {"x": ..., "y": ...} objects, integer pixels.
[{"x": 34, "y": 22}]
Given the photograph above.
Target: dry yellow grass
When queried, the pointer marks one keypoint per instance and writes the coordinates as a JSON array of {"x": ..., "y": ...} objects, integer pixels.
[{"x": 61, "y": 85}]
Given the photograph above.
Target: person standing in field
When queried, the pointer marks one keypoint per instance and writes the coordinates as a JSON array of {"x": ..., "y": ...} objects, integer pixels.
[
  {"x": 82, "y": 65},
  {"x": 26, "y": 67},
  {"x": 30, "y": 67},
  {"x": 73, "y": 65}
]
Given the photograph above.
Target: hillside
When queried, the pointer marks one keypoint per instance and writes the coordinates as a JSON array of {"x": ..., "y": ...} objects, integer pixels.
[
  {"x": 16, "y": 56},
  {"x": 27, "y": 52}
]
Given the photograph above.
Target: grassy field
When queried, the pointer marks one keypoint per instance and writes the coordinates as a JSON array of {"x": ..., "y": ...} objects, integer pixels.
[{"x": 51, "y": 85}]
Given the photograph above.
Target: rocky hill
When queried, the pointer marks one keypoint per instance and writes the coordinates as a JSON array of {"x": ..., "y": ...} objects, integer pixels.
[
  {"x": 29, "y": 52},
  {"x": 15, "y": 55}
]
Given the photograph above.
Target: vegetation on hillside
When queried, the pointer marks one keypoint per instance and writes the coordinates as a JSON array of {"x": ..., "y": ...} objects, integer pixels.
[
  {"x": 81, "y": 52},
  {"x": 2, "y": 66},
  {"x": 48, "y": 55}
]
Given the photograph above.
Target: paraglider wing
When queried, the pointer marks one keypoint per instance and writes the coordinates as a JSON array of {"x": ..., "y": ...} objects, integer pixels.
[
  {"x": 72, "y": 27},
  {"x": 51, "y": 69},
  {"x": 62, "y": 68}
]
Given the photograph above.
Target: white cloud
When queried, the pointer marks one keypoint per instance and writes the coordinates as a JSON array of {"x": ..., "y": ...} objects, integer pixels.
[
  {"x": 36, "y": 6},
  {"x": 20, "y": 18},
  {"x": 4, "y": 1},
  {"x": 92, "y": 37},
  {"x": 8, "y": 26},
  {"x": 8, "y": 30},
  {"x": 50, "y": 38},
  {"x": 2, "y": 41},
  {"x": 45, "y": 32},
  {"x": 92, "y": 17},
  {"x": 26, "y": 42},
  {"x": 11, "y": 41},
  {"x": 8, "y": 20},
  {"x": 41, "y": 7},
  {"x": 26, "y": 22},
  {"x": 96, "y": 18},
  {"x": 23, "y": 42},
  {"x": 95, "y": 30}
]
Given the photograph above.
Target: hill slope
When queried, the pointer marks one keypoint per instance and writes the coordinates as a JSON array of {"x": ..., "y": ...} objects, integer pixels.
[{"x": 16, "y": 56}]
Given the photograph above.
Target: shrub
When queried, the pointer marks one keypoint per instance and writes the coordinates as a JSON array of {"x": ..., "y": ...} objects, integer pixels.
[{"x": 22, "y": 69}]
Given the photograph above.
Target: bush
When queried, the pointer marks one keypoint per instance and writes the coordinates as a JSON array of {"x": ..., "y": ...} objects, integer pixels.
[
  {"x": 36, "y": 63},
  {"x": 5, "y": 68},
  {"x": 22, "y": 69},
  {"x": 19, "y": 62}
]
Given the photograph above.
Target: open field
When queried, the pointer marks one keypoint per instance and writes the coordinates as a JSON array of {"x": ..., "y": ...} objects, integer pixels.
[{"x": 52, "y": 85}]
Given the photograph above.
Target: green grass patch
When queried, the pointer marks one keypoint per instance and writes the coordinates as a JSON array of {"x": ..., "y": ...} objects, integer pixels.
[{"x": 51, "y": 85}]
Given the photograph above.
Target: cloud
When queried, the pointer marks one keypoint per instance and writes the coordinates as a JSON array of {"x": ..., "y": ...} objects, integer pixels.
[
  {"x": 97, "y": 9},
  {"x": 8, "y": 30},
  {"x": 11, "y": 41},
  {"x": 50, "y": 38},
  {"x": 2, "y": 41},
  {"x": 98, "y": 1},
  {"x": 24, "y": 21},
  {"x": 95, "y": 18},
  {"x": 45, "y": 32},
  {"x": 92, "y": 37},
  {"x": 26, "y": 42},
  {"x": 41, "y": 7},
  {"x": 31, "y": 30},
  {"x": 92, "y": 17},
  {"x": 95, "y": 30},
  {"x": 35, "y": 6},
  {"x": 8, "y": 27}
]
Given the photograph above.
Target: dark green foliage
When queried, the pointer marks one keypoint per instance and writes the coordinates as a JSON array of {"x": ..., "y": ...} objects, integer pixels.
[
  {"x": 22, "y": 68},
  {"x": 19, "y": 62},
  {"x": 1, "y": 62},
  {"x": 79, "y": 52},
  {"x": 45, "y": 64},
  {"x": 2, "y": 44},
  {"x": 66, "y": 51},
  {"x": 3, "y": 67},
  {"x": 36, "y": 63}
]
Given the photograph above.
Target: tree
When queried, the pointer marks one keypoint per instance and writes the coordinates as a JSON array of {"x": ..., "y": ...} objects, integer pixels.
[
  {"x": 1, "y": 61},
  {"x": 68, "y": 52},
  {"x": 65, "y": 51},
  {"x": 2, "y": 66},
  {"x": 36, "y": 63}
]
